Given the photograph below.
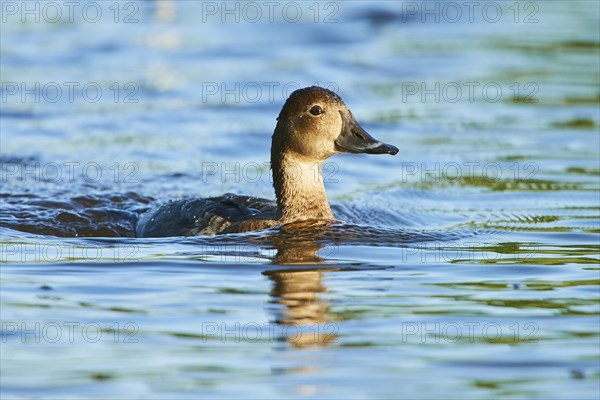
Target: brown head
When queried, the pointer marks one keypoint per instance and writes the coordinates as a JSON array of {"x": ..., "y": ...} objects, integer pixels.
[{"x": 315, "y": 124}]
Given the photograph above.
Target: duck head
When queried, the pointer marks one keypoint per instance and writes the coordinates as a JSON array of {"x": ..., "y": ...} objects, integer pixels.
[{"x": 315, "y": 124}]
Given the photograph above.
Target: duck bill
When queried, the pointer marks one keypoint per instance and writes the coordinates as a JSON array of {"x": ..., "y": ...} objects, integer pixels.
[{"x": 354, "y": 139}]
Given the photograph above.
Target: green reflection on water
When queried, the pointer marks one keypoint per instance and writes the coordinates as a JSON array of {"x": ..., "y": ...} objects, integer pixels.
[{"x": 577, "y": 123}]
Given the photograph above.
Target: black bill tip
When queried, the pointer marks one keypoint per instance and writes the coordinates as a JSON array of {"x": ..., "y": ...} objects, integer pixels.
[{"x": 389, "y": 149}]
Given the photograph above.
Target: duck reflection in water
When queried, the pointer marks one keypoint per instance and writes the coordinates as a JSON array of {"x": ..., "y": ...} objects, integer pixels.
[{"x": 302, "y": 313}]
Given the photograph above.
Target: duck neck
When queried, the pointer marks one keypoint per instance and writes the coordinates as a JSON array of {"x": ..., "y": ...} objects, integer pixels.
[{"x": 299, "y": 189}]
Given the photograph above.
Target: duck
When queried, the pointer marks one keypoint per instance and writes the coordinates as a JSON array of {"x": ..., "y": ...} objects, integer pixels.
[{"x": 313, "y": 125}]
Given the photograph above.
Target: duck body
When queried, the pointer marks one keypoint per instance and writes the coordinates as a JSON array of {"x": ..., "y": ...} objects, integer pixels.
[
  {"x": 313, "y": 125},
  {"x": 208, "y": 216}
]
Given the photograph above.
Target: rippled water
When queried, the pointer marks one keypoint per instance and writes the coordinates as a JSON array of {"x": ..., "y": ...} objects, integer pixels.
[{"x": 464, "y": 267}]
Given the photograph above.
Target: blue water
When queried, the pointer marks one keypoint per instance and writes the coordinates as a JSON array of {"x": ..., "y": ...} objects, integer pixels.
[{"x": 464, "y": 267}]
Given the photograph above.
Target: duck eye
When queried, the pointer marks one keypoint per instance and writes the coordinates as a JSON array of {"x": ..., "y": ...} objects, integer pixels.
[{"x": 316, "y": 110}]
